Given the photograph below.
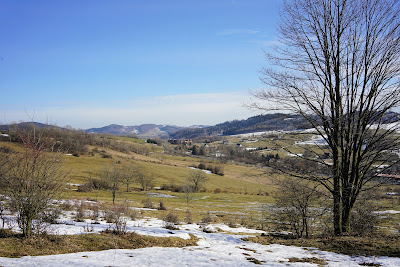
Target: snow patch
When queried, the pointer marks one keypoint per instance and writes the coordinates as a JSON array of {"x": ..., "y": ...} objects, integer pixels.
[
  {"x": 206, "y": 171},
  {"x": 213, "y": 249}
]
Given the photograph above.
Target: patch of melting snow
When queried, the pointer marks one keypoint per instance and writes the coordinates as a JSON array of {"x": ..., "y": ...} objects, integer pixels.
[
  {"x": 206, "y": 171},
  {"x": 294, "y": 155},
  {"x": 387, "y": 212},
  {"x": 135, "y": 208},
  {"x": 243, "y": 230},
  {"x": 72, "y": 184},
  {"x": 160, "y": 195},
  {"x": 213, "y": 249},
  {"x": 315, "y": 140}
]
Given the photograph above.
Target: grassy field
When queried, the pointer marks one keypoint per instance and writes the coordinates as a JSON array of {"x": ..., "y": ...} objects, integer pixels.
[
  {"x": 237, "y": 194},
  {"x": 235, "y": 198},
  {"x": 243, "y": 196}
]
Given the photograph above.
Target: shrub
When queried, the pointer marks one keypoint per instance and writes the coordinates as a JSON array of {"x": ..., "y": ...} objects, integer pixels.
[
  {"x": 80, "y": 212},
  {"x": 147, "y": 203},
  {"x": 85, "y": 188},
  {"x": 93, "y": 183},
  {"x": 117, "y": 218},
  {"x": 161, "y": 205},
  {"x": 106, "y": 156},
  {"x": 170, "y": 221},
  {"x": 218, "y": 169},
  {"x": 202, "y": 166},
  {"x": 32, "y": 178},
  {"x": 363, "y": 219},
  {"x": 51, "y": 215},
  {"x": 189, "y": 219},
  {"x": 95, "y": 212},
  {"x": 206, "y": 219}
]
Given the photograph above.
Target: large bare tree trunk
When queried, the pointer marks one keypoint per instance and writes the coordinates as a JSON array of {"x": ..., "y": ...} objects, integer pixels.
[{"x": 338, "y": 65}]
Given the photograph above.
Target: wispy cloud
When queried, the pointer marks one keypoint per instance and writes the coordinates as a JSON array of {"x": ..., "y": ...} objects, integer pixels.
[
  {"x": 266, "y": 42},
  {"x": 228, "y": 32}
]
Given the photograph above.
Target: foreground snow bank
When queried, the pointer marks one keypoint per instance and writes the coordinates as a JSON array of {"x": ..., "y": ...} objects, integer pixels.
[{"x": 213, "y": 249}]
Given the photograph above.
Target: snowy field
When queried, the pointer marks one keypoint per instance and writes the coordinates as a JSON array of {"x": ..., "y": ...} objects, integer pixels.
[{"x": 223, "y": 247}]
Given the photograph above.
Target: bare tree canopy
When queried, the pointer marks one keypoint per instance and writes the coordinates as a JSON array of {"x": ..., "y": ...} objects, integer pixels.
[
  {"x": 196, "y": 179},
  {"x": 338, "y": 66}
]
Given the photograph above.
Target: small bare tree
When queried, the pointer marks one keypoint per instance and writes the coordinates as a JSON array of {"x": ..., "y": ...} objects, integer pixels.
[
  {"x": 196, "y": 179},
  {"x": 127, "y": 175},
  {"x": 188, "y": 190},
  {"x": 33, "y": 177},
  {"x": 111, "y": 175},
  {"x": 144, "y": 179}
]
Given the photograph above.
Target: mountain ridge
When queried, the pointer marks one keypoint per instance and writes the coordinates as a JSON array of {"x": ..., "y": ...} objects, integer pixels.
[
  {"x": 144, "y": 130},
  {"x": 259, "y": 123},
  {"x": 276, "y": 121}
]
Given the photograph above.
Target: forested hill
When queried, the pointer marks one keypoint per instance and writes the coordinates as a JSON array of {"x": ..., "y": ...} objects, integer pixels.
[{"x": 269, "y": 122}]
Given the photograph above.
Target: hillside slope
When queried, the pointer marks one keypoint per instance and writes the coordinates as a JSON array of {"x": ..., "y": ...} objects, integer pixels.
[
  {"x": 144, "y": 130},
  {"x": 269, "y": 122}
]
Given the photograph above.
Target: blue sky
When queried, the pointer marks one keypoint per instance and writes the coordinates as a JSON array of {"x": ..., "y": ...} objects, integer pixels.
[{"x": 92, "y": 63}]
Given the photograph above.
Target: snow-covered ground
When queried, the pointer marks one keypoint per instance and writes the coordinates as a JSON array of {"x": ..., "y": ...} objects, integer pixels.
[
  {"x": 314, "y": 140},
  {"x": 219, "y": 248},
  {"x": 206, "y": 171}
]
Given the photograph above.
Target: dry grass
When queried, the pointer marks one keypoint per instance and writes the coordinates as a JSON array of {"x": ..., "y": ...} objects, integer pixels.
[
  {"x": 312, "y": 260},
  {"x": 376, "y": 245},
  {"x": 14, "y": 246}
]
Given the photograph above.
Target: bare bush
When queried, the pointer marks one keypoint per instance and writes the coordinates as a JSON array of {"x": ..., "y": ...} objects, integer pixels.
[
  {"x": 363, "y": 219},
  {"x": 33, "y": 177},
  {"x": 206, "y": 219},
  {"x": 161, "y": 205},
  {"x": 296, "y": 206},
  {"x": 171, "y": 221},
  {"x": 51, "y": 214},
  {"x": 147, "y": 203},
  {"x": 80, "y": 214}
]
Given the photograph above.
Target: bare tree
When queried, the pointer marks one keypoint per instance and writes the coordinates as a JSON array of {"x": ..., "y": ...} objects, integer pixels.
[
  {"x": 297, "y": 205},
  {"x": 144, "y": 179},
  {"x": 338, "y": 66},
  {"x": 196, "y": 179},
  {"x": 33, "y": 177},
  {"x": 127, "y": 175},
  {"x": 111, "y": 175},
  {"x": 188, "y": 190}
]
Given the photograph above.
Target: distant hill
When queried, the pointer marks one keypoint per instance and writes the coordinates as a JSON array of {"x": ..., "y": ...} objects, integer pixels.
[
  {"x": 144, "y": 130},
  {"x": 269, "y": 122},
  {"x": 4, "y": 127},
  {"x": 260, "y": 123}
]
